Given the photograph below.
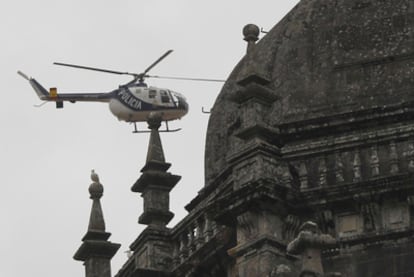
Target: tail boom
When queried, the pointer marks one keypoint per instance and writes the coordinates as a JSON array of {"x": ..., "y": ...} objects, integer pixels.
[{"x": 52, "y": 95}]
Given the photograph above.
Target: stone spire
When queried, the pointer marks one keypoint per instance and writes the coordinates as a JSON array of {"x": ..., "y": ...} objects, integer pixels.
[
  {"x": 155, "y": 182},
  {"x": 155, "y": 151},
  {"x": 96, "y": 220},
  {"x": 152, "y": 250},
  {"x": 96, "y": 251}
]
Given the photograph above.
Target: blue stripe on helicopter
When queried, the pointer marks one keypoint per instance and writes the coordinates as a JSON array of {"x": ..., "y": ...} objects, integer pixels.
[{"x": 134, "y": 103}]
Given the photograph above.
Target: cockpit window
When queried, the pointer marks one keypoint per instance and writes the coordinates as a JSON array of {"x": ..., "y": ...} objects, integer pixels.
[
  {"x": 152, "y": 93},
  {"x": 164, "y": 97}
]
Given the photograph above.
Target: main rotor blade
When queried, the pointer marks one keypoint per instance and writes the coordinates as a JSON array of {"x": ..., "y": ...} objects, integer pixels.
[
  {"x": 96, "y": 69},
  {"x": 187, "y": 79},
  {"x": 156, "y": 62}
]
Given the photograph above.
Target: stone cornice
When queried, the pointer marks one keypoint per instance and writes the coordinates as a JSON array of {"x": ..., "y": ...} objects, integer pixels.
[{"x": 344, "y": 192}]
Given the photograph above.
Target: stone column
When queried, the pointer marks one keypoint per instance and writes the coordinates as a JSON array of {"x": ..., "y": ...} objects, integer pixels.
[{"x": 96, "y": 251}]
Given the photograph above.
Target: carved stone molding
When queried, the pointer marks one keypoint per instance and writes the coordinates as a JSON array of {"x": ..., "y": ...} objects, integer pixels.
[
  {"x": 291, "y": 226},
  {"x": 246, "y": 224}
]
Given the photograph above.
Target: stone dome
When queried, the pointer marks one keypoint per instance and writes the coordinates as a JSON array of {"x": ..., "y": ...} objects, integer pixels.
[{"x": 325, "y": 58}]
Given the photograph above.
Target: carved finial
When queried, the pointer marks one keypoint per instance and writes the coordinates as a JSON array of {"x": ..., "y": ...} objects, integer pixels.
[
  {"x": 251, "y": 35},
  {"x": 96, "y": 188},
  {"x": 154, "y": 120},
  {"x": 155, "y": 151}
]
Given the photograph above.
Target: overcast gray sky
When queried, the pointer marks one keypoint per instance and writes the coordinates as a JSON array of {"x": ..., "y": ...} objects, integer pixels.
[{"x": 47, "y": 154}]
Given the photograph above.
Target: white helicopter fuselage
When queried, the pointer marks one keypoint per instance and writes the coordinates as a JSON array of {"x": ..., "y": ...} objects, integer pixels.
[{"x": 135, "y": 103}]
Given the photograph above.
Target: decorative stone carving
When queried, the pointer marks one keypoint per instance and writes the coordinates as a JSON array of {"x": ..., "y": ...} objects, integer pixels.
[
  {"x": 322, "y": 170},
  {"x": 374, "y": 162},
  {"x": 281, "y": 271},
  {"x": 291, "y": 226},
  {"x": 409, "y": 154},
  {"x": 395, "y": 215},
  {"x": 326, "y": 221},
  {"x": 176, "y": 254},
  {"x": 286, "y": 176},
  {"x": 410, "y": 200},
  {"x": 393, "y": 158},
  {"x": 357, "y": 167},
  {"x": 349, "y": 224},
  {"x": 208, "y": 231},
  {"x": 309, "y": 244},
  {"x": 303, "y": 175},
  {"x": 183, "y": 249},
  {"x": 199, "y": 234},
  {"x": 246, "y": 223},
  {"x": 339, "y": 168},
  {"x": 370, "y": 213},
  {"x": 191, "y": 239}
]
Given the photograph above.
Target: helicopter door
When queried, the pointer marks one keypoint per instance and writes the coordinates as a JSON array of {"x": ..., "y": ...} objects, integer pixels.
[{"x": 152, "y": 93}]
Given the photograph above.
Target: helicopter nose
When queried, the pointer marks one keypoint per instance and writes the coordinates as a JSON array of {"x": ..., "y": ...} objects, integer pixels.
[{"x": 183, "y": 104}]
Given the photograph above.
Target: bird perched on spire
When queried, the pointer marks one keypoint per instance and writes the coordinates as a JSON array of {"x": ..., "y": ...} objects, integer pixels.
[
  {"x": 96, "y": 188},
  {"x": 94, "y": 176}
]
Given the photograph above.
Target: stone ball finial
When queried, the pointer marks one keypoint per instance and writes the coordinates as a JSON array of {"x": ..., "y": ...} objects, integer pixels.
[
  {"x": 251, "y": 33},
  {"x": 96, "y": 188},
  {"x": 154, "y": 120}
]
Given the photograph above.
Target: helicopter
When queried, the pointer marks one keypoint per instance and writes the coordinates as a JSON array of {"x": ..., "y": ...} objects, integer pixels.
[{"x": 132, "y": 102}]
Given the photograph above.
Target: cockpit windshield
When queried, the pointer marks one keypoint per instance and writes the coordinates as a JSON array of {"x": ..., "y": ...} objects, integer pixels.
[
  {"x": 180, "y": 95},
  {"x": 175, "y": 98}
]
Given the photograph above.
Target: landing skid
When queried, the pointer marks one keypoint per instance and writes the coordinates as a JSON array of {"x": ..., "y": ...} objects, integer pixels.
[{"x": 166, "y": 130}]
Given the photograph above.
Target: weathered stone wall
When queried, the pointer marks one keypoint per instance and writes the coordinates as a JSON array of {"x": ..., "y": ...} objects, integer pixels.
[
  {"x": 342, "y": 74},
  {"x": 324, "y": 58},
  {"x": 376, "y": 261}
]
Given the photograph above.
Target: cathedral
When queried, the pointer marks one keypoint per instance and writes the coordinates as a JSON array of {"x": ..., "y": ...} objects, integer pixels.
[{"x": 309, "y": 158}]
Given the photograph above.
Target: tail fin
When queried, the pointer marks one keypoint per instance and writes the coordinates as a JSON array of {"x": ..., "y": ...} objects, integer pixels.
[
  {"x": 39, "y": 89},
  {"x": 23, "y": 75}
]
